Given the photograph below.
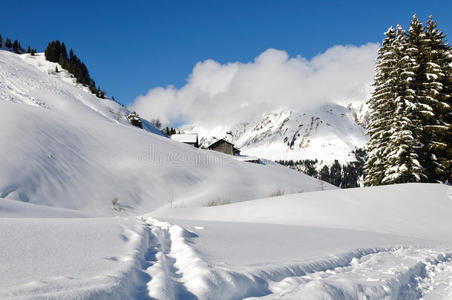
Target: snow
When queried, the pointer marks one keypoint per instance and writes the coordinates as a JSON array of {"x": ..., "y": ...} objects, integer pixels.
[
  {"x": 405, "y": 209},
  {"x": 185, "y": 138},
  {"x": 246, "y": 158},
  {"x": 350, "y": 244},
  {"x": 389, "y": 241},
  {"x": 56, "y": 258},
  {"x": 94, "y": 208},
  {"x": 326, "y": 133},
  {"x": 70, "y": 149},
  {"x": 19, "y": 209}
]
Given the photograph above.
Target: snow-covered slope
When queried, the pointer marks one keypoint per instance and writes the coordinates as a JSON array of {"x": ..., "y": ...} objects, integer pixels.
[
  {"x": 326, "y": 133},
  {"x": 415, "y": 210},
  {"x": 389, "y": 242},
  {"x": 54, "y": 253},
  {"x": 61, "y": 146}
]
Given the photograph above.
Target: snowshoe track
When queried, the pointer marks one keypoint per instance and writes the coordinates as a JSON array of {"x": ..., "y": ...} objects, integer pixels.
[{"x": 177, "y": 271}]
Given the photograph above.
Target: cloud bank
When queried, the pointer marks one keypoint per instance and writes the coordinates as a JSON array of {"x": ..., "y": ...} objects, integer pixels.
[{"x": 223, "y": 94}]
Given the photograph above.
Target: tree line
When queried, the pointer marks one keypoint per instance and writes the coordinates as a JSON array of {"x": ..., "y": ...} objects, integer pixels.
[
  {"x": 342, "y": 175},
  {"x": 15, "y": 46},
  {"x": 57, "y": 52},
  {"x": 410, "y": 124}
]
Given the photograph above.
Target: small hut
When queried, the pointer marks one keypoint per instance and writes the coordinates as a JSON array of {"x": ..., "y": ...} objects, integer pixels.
[{"x": 224, "y": 147}]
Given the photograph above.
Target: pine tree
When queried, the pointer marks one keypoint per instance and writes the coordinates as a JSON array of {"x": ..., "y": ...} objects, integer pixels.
[
  {"x": 16, "y": 46},
  {"x": 435, "y": 93},
  {"x": 350, "y": 175},
  {"x": 1, "y": 41},
  {"x": 402, "y": 163},
  {"x": 381, "y": 107},
  {"x": 325, "y": 173},
  {"x": 8, "y": 43},
  {"x": 310, "y": 167},
  {"x": 424, "y": 115},
  {"x": 336, "y": 173}
]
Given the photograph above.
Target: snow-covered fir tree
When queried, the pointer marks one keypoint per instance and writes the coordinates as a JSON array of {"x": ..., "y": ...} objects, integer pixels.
[
  {"x": 410, "y": 110},
  {"x": 401, "y": 161},
  {"x": 381, "y": 110},
  {"x": 436, "y": 156}
]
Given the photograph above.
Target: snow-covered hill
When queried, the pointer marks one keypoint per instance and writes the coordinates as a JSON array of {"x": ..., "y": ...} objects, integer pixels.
[
  {"x": 62, "y": 146},
  {"x": 325, "y": 133},
  {"x": 388, "y": 242}
]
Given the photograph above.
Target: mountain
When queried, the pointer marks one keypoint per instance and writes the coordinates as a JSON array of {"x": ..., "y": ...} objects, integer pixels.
[
  {"x": 326, "y": 133},
  {"x": 62, "y": 146}
]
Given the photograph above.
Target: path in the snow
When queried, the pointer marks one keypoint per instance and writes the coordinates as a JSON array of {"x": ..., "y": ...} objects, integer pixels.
[
  {"x": 405, "y": 273},
  {"x": 177, "y": 271},
  {"x": 165, "y": 278}
]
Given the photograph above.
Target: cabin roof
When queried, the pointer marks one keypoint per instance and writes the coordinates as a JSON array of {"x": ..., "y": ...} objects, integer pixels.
[
  {"x": 246, "y": 158},
  {"x": 213, "y": 145},
  {"x": 191, "y": 138}
]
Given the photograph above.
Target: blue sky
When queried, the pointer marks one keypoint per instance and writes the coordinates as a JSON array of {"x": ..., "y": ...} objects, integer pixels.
[{"x": 131, "y": 47}]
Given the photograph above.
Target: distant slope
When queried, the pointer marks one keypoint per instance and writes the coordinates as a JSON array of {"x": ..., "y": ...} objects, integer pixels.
[
  {"x": 62, "y": 146},
  {"x": 418, "y": 210}
]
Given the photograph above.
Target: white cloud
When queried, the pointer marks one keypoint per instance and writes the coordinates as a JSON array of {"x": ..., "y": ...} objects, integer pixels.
[{"x": 222, "y": 94}]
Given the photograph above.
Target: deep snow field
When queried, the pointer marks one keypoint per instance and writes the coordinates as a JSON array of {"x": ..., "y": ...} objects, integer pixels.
[
  {"x": 94, "y": 208},
  {"x": 391, "y": 242}
]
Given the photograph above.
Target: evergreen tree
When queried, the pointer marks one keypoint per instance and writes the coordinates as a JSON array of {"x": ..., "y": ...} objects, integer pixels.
[
  {"x": 324, "y": 173},
  {"x": 335, "y": 174},
  {"x": 1, "y": 41},
  {"x": 310, "y": 167},
  {"x": 16, "y": 46},
  {"x": 410, "y": 130},
  {"x": 436, "y": 156},
  {"x": 423, "y": 91},
  {"x": 166, "y": 131},
  {"x": 381, "y": 107},
  {"x": 350, "y": 175},
  {"x": 445, "y": 152},
  {"x": 8, "y": 43},
  {"x": 402, "y": 163}
]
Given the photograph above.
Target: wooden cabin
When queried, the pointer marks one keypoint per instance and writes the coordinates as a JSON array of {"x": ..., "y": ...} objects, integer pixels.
[
  {"x": 224, "y": 147},
  {"x": 186, "y": 138}
]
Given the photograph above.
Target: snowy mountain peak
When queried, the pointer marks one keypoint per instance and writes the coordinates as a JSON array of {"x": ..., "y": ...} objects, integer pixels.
[{"x": 325, "y": 133}]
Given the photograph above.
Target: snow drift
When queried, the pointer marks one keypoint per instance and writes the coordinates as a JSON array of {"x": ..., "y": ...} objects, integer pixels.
[{"x": 389, "y": 242}]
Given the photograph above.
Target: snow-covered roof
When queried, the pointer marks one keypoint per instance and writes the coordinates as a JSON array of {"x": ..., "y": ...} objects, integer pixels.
[
  {"x": 185, "y": 137},
  {"x": 245, "y": 158}
]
